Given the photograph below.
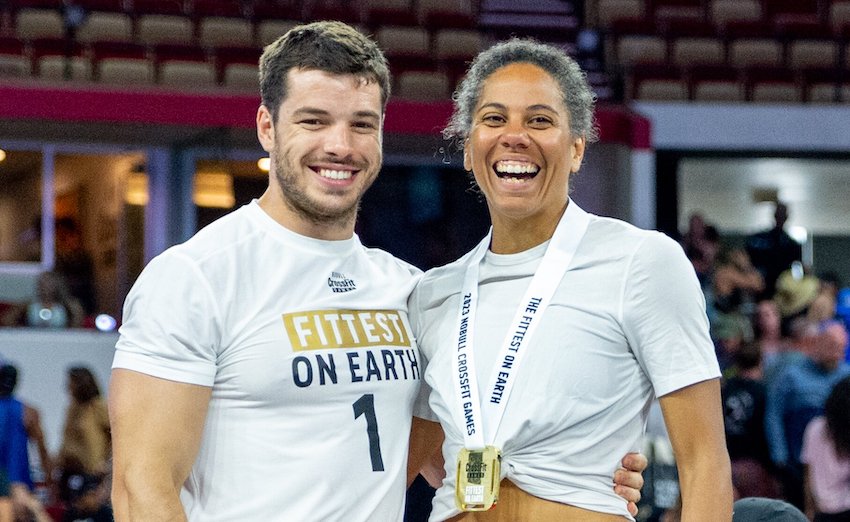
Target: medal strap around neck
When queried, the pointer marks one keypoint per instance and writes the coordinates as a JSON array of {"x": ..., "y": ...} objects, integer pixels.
[{"x": 556, "y": 261}]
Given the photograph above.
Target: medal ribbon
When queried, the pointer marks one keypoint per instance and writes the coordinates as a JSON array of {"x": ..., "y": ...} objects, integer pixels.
[{"x": 547, "y": 277}]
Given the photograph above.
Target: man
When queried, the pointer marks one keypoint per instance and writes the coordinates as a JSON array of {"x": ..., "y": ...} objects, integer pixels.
[
  {"x": 773, "y": 251},
  {"x": 266, "y": 369},
  {"x": 19, "y": 423},
  {"x": 796, "y": 396}
]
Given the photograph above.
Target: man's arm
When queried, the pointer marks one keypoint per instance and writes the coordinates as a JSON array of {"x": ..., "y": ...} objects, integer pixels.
[
  {"x": 32, "y": 424},
  {"x": 156, "y": 432},
  {"x": 425, "y": 456},
  {"x": 695, "y": 423}
]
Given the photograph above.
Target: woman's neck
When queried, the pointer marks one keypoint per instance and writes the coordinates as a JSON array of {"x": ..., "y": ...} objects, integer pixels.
[{"x": 511, "y": 236}]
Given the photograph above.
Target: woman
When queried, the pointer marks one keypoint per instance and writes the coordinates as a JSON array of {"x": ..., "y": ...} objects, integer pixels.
[
  {"x": 86, "y": 446},
  {"x": 826, "y": 454},
  {"x": 570, "y": 323}
]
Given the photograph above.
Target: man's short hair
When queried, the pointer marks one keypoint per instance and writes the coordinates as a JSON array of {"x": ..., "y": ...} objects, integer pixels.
[{"x": 332, "y": 47}]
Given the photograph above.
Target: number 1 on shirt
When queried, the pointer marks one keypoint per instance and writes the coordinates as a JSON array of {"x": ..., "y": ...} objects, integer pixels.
[{"x": 365, "y": 405}]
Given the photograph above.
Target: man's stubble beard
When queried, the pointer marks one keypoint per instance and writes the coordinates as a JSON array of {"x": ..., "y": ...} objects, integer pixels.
[{"x": 297, "y": 200}]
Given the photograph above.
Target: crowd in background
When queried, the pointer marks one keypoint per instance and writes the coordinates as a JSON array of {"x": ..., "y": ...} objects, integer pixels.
[
  {"x": 781, "y": 338},
  {"x": 72, "y": 485}
]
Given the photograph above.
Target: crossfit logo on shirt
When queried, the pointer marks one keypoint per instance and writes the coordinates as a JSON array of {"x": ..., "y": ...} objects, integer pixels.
[{"x": 338, "y": 283}]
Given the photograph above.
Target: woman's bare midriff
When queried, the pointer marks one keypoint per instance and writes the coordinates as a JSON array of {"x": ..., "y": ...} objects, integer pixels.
[{"x": 515, "y": 505}]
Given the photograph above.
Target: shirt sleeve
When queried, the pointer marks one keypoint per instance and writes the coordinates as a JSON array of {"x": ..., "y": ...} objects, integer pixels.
[
  {"x": 664, "y": 319},
  {"x": 421, "y": 408},
  {"x": 171, "y": 323}
]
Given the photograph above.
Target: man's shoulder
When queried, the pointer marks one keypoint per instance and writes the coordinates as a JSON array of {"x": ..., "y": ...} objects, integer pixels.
[{"x": 384, "y": 260}]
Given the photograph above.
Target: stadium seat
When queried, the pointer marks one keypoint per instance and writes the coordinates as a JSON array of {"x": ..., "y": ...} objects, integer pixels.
[
  {"x": 125, "y": 71},
  {"x": 395, "y": 40},
  {"x": 778, "y": 10},
  {"x": 54, "y": 58},
  {"x": 747, "y": 52},
  {"x": 423, "y": 86},
  {"x": 31, "y": 24},
  {"x": 106, "y": 26},
  {"x": 810, "y": 54},
  {"x": 436, "y": 14},
  {"x": 697, "y": 51},
  {"x": 406, "y": 48},
  {"x": 241, "y": 77},
  {"x": 187, "y": 74},
  {"x": 54, "y": 67},
  {"x": 121, "y": 63},
  {"x": 656, "y": 83},
  {"x": 14, "y": 63},
  {"x": 772, "y": 85},
  {"x": 678, "y": 9},
  {"x": 722, "y": 12},
  {"x": 822, "y": 85},
  {"x": 270, "y": 30},
  {"x": 154, "y": 29},
  {"x": 453, "y": 44},
  {"x": 716, "y": 84},
  {"x": 218, "y": 31},
  {"x": 611, "y": 11},
  {"x": 641, "y": 49},
  {"x": 839, "y": 18}
]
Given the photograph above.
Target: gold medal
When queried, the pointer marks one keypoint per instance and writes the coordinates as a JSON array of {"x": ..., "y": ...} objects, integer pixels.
[{"x": 478, "y": 477}]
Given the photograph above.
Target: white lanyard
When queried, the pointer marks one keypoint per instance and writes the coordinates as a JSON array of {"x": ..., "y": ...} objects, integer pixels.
[{"x": 554, "y": 265}]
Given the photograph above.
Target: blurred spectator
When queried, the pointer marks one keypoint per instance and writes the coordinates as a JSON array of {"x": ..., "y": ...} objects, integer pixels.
[
  {"x": 795, "y": 292},
  {"x": 826, "y": 453},
  {"x": 86, "y": 497},
  {"x": 842, "y": 311},
  {"x": 17, "y": 422},
  {"x": 803, "y": 334},
  {"x": 14, "y": 459},
  {"x": 823, "y": 307},
  {"x": 736, "y": 283},
  {"x": 729, "y": 332},
  {"x": 743, "y": 417},
  {"x": 795, "y": 397},
  {"x": 86, "y": 446},
  {"x": 53, "y": 306},
  {"x": 772, "y": 251},
  {"x": 767, "y": 328},
  {"x": 74, "y": 262},
  {"x": 701, "y": 243}
]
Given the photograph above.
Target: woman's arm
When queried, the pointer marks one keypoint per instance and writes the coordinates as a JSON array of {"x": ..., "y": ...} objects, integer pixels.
[{"x": 695, "y": 423}]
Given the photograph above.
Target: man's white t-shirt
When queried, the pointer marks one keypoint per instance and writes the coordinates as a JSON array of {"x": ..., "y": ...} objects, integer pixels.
[
  {"x": 626, "y": 323},
  {"x": 313, "y": 367}
]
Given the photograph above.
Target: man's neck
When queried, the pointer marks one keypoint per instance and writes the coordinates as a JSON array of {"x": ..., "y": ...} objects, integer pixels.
[{"x": 287, "y": 217}]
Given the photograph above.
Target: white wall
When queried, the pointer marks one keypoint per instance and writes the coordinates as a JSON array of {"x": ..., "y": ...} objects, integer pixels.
[
  {"x": 43, "y": 358},
  {"x": 748, "y": 127}
]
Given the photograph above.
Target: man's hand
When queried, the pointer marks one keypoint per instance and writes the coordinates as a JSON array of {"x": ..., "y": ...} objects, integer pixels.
[{"x": 628, "y": 480}]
